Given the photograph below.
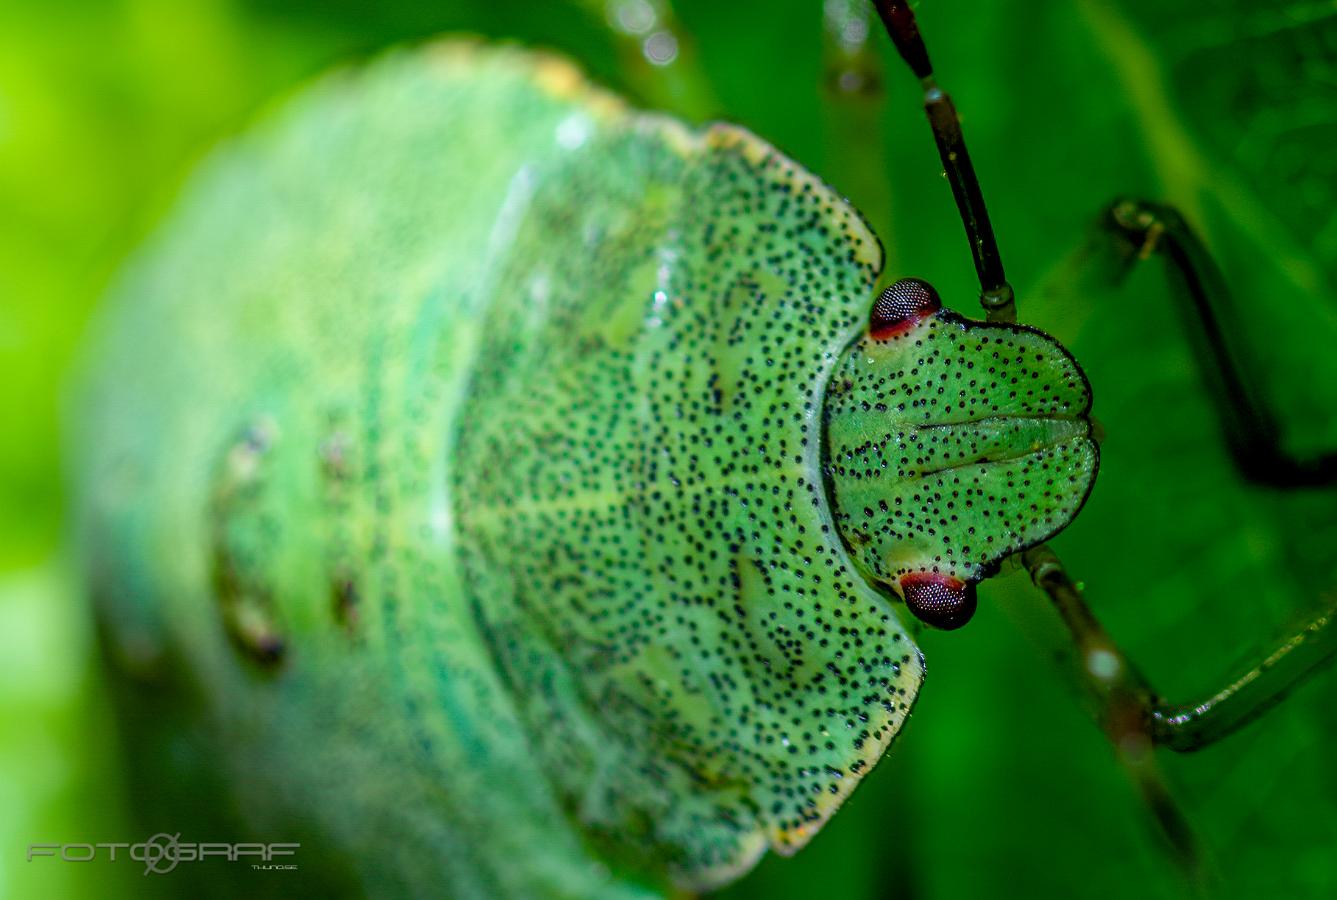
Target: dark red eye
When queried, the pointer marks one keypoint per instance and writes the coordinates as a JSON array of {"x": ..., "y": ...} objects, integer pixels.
[
  {"x": 901, "y": 306},
  {"x": 939, "y": 600}
]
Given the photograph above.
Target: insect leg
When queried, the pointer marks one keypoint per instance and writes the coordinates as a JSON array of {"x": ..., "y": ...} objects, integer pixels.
[
  {"x": 1118, "y": 696},
  {"x": 1129, "y": 709},
  {"x": 996, "y": 294},
  {"x": 1142, "y": 228}
]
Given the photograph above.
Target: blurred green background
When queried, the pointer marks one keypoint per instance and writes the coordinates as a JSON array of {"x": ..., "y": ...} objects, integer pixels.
[{"x": 1227, "y": 109}]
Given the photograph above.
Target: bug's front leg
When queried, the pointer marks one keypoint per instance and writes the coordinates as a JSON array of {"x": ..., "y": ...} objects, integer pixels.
[
  {"x": 1136, "y": 230},
  {"x": 1137, "y": 719},
  {"x": 1118, "y": 690}
]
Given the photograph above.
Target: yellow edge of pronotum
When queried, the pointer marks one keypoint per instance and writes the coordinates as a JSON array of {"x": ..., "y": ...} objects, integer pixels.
[
  {"x": 724, "y": 136},
  {"x": 788, "y": 842}
]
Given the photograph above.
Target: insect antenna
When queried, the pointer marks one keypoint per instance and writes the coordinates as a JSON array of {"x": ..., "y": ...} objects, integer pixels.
[{"x": 995, "y": 293}]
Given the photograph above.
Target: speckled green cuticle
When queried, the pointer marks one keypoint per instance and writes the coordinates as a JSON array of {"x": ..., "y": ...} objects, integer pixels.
[
  {"x": 452, "y": 482},
  {"x": 953, "y": 445}
]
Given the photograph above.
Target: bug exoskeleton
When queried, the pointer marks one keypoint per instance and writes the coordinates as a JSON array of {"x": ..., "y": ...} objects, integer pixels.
[{"x": 607, "y": 551}]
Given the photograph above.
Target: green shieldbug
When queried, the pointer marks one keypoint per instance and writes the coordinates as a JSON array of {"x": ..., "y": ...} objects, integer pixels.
[{"x": 547, "y": 510}]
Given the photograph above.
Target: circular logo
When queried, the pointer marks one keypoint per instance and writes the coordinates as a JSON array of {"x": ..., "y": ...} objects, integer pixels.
[{"x": 160, "y": 853}]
